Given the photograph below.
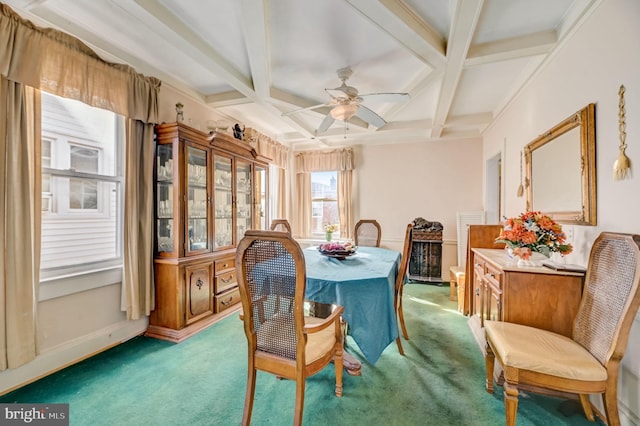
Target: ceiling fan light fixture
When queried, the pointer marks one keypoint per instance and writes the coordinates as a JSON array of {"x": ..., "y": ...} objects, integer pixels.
[{"x": 344, "y": 111}]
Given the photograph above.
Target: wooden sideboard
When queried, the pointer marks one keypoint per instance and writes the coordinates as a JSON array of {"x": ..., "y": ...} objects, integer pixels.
[{"x": 535, "y": 296}]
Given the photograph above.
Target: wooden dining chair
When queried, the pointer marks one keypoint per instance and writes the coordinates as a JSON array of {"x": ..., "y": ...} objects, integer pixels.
[
  {"x": 368, "y": 233},
  {"x": 283, "y": 342},
  {"x": 400, "y": 280},
  {"x": 281, "y": 225},
  {"x": 589, "y": 361}
]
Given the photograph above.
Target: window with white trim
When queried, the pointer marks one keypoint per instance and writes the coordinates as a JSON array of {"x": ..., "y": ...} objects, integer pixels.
[
  {"x": 324, "y": 202},
  {"x": 81, "y": 188}
]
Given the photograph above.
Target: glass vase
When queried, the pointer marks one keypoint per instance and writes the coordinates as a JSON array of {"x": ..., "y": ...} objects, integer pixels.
[{"x": 328, "y": 236}]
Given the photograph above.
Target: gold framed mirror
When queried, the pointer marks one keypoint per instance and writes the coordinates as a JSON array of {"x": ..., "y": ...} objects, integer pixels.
[{"x": 561, "y": 170}]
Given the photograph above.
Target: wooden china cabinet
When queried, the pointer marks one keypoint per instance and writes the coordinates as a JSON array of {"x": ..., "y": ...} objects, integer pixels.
[{"x": 209, "y": 189}]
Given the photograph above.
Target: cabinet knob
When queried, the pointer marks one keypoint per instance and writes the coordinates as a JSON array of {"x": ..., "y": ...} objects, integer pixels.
[
  {"x": 228, "y": 280},
  {"x": 226, "y": 302},
  {"x": 477, "y": 292},
  {"x": 199, "y": 283},
  {"x": 225, "y": 265}
]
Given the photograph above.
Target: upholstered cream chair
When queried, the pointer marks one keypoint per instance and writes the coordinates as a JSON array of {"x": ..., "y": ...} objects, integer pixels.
[
  {"x": 281, "y": 340},
  {"x": 589, "y": 361},
  {"x": 281, "y": 225},
  {"x": 368, "y": 233},
  {"x": 400, "y": 280}
]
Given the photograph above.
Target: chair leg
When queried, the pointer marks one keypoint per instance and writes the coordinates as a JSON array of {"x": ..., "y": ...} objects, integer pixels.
[
  {"x": 610, "y": 400},
  {"x": 297, "y": 415},
  {"x": 401, "y": 315},
  {"x": 489, "y": 361},
  {"x": 510, "y": 403},
  {"x": 399, "y": 342},
  {"x": 338, "y": 361},
  {"x": 586, "y": 407},
  {"x": 248, "y": 399}
]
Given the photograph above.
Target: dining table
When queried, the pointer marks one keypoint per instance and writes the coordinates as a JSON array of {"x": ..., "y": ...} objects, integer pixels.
[{"x": 364, "y": 285}]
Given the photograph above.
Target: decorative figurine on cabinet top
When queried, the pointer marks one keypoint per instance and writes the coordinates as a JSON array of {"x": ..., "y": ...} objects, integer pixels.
[{"x": 238, "y": 132}]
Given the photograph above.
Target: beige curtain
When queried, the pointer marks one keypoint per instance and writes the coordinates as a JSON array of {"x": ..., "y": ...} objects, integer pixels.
[
  {"x": 20, "y": 194},
  {"x": 340, "y": 160},
  {"x": 53, "y": 61},
  {"x": 58, "y": 63},
  {"x": 279, "y": 156},
  {"x": 302, "y": 225},
  {"x": 345, "y": 209},
  {"x": 281, "y": 199},
  {"x": 137, "y": 284}
]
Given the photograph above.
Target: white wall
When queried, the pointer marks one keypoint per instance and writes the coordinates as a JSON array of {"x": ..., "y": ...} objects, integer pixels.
[
  {"x": 396, "y": 183},
  {"x": 589, "y": 67}
]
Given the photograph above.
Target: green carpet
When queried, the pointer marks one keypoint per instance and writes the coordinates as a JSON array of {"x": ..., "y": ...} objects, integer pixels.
[{"x": 202, "y": 381}]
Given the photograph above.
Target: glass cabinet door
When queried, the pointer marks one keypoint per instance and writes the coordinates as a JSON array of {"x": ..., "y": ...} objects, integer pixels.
[
  {"x": 244, "y": 199},
  {"x": 164, "y": 202},
  {"x": 197, "y": 200},
  {"x": 223, "y": 201},
  {"x": 260, "y": 186}
]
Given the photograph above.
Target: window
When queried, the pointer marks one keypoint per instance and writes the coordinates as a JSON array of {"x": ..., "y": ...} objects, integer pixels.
[
  {"x": 81, "y": 188},
  {"x": 324, "y": 201}
]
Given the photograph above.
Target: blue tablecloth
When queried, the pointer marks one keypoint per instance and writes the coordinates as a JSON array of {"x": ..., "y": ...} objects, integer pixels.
[{"x": 364, "y": 285}]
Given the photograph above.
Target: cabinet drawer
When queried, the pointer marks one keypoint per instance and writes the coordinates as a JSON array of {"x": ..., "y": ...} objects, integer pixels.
[
  {"x": 493, "y": 275},
  {"x": 225, "y": 281},
  {"x": 224, "y": 264},
  {"x": 226, "y": 300}
]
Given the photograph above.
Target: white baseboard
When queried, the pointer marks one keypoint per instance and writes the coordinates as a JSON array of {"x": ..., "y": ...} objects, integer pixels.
[{"x": 69, "y": 353}]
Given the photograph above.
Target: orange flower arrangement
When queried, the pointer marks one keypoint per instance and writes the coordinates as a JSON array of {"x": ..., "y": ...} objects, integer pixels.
[{"x": 534, "y": 231}]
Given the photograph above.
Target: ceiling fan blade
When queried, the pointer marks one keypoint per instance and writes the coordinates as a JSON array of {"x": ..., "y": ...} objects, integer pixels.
[
  {"x": 387, "y": 97},
  {"x": 370, "y": 117},
  {"x": 284, "y": 114},
  {"x": 326, "y": 123}
]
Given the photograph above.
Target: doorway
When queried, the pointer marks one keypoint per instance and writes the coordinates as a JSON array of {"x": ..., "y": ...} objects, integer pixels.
[{"x": 493, "y": 191}]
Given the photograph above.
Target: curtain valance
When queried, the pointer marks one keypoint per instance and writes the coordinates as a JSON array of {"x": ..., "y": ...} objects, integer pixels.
[
  {"x": 58, "y": 63},
  {"x": 278, "y": 153},
  {"x": 319, "y": 161}
]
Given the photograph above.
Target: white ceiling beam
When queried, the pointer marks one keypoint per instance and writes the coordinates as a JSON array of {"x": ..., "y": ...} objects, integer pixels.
[
  {"x": 406, "y": 125},
  {"x": 512, "y": 48},
  {"x": 223, "y": 99},
  {"x": 256, "y": 26},
  {"x": 469, "y": 120},
  {"x": 191, "y": 44},
  {"x": 463, "y": 26},
  {"x": 290, "y": 101},
  {"x": 408, "y": 29}
]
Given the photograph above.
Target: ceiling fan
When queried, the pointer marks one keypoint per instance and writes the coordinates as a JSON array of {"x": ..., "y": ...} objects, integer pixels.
[{"x": 346, "y": 103}]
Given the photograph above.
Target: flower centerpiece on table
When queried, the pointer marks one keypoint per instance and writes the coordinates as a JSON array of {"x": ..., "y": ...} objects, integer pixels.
[
  {"x": 329, "y": 229},
  {"x": 534, "y": 232}
]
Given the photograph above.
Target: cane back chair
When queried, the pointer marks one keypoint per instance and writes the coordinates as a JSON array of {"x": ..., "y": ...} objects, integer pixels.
[
  {"x": 368, "y": 233},
  {"x": 400, "y": 280},
  {"x": 589, "y": 361},
  {"x": 281, "y": 340},
  {"x": 281, "y": 225}
]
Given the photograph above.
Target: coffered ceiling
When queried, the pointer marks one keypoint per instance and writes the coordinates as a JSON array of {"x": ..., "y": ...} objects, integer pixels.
[{"x": 256, "y": 61}]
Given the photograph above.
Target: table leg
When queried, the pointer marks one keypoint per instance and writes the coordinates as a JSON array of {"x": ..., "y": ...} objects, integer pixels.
[{"x": 351, "y": 365}]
